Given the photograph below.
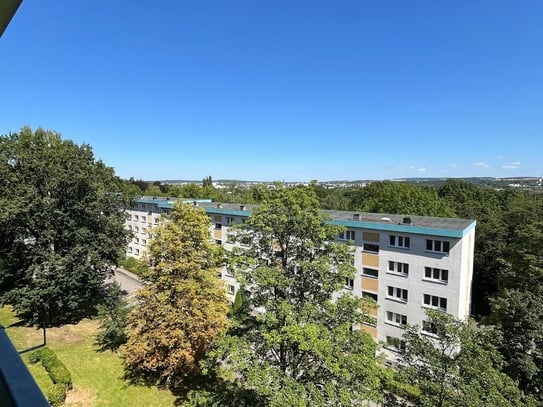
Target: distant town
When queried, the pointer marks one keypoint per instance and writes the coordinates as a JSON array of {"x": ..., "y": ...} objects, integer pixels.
[{"x": 528, "y": 183}]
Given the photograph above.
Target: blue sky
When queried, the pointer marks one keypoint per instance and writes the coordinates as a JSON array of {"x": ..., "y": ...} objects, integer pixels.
[{"x": 283, "y": 90}]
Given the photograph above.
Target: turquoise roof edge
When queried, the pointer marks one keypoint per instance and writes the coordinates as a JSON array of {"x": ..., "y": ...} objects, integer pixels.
[{"x": 406, "y": 228}]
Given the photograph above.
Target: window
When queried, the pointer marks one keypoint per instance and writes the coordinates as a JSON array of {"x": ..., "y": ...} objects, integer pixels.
[
  {"x": 395, "y": 344},
  {"x": 396, "y": 319},
  {"x": 349, "y": 283},
  {"x": 137, "y": 251},
  {"x": 218, "y": 241},
  {"x": 436, "y": 302},
  {"x": 143, "y": 219},
  {"x": 439, "y": 275},
  {"x": 399, "y": 241},
  {"x": 396, "y": 293},
  {"x": 367, "y": 272},
  {"x": 347, "y": 235},
  {"x": 143, "y": 229},
  {"x": 136, "y": 240},
  {"x": 429, "y": 327},
  {"x": 439, "y": 246},
  {"x": 136, "y": 217},
  {"x": 218, "y": 225},
  {"x": 366, "y": 294},
  {"x": 136, "y": 229},
  {"x": 371, "y": 247},
  {"x": 398, "y": 268},
  {"x": 229, "y": 220},
  {"x": 129, "y": 249},
  {"x": 143, "y": 241},
  {"x": 231, "y": 289},
  {"x": 128, "y": 216},
  {"x": 156, "y": 221}
]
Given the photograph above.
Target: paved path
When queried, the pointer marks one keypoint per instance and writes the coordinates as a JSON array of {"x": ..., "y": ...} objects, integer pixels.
[{"x": 128, "y": 281}]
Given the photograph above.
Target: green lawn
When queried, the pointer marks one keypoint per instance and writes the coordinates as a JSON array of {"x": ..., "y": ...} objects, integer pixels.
[{"x": 97, "y": 376}]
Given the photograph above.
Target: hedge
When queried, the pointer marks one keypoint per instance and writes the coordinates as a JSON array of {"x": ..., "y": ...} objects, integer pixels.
[{"x": 59, "y": 374}]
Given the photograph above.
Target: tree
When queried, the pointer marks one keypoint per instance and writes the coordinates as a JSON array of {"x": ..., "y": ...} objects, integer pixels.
[
  {"x": 62, "y": 226},
  {"x": 459, "y": 365},
  {"x": 400, "y": 197},
  {"x": 182, "y": 307},
  {"x": 112, "y": 315},
  {"x": 296, "y": 345}
]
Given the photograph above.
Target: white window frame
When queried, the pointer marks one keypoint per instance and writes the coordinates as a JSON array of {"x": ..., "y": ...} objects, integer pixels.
[
  {"x": 392, "y": 343},
  {"x": 434, "y": 302},
  {"x": 349, "y": 283},
  {"x": 433, "y": 271},
  {"x": 438, "y": 246},
  {"x": 398, "y": 268},
  {"x": 397, "y": 294},
  {"x": 396, "y": 319},
  {"x": 402, "y": 242},
  {"x": 365, "y": 274}
]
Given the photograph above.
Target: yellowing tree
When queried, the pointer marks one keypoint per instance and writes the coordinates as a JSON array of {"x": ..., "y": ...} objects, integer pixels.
[{"x": 182, "y": 307}]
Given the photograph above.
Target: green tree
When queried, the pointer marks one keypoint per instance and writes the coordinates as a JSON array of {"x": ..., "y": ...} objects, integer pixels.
[
  {"x": 459, "y": 365},
  {"x": 62, "y": 224},
  {"x": 182, "y": 307},
  {"x": 401, "y": 198},
  {"x": 112, "y": 313},
  {"x": 297, "y": 345}
]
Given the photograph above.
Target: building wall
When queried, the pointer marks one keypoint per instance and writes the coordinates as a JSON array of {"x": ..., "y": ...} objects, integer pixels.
[{"x": 422, "y": 277}]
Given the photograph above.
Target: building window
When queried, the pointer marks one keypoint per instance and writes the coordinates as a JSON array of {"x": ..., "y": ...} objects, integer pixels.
[
  {"x": 438, "y": 246},
  {"x": 371, "y": 247},
  {"x": 136, "y": 217},
  {"x": 218, "y": 225},
  {"x": 136, "y": 229},
  {"x": 398, "y": 268},
  {"x": 143, "y": 229},
  {"x": 349, "y": 283},
  {"x": 396, "y": 293},
  {"x": 218, "y": 241},
  {"x": 434, "y": 274},
  {"x": 399, "y": 241},
  {"x": 136, "y": 240},
  {"x": 395, "y": 344},
  {"x": 429, "y": 327},
  {"x": 231, "y": 289},
  {"x": 128, "y": 216},
  {"x": 229, "y": 220},
  {"x": 129, "y": 249},
  {"x": 347, "y": 235},
  {"x": 143, "y": 219},
  {"x": 367, "y": 272},
  {"x": 137, "y": 251},
  {"x": 143, "y": 241},
  {"x": 366, "y": 294},
  {"x": 396, "y": 319},
  {"x": 156, "y": 221},
  {"x": 433, "y": 301}
]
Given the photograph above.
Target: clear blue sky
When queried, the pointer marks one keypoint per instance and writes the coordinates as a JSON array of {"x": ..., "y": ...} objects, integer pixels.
[{"x": 283, "y": 90}]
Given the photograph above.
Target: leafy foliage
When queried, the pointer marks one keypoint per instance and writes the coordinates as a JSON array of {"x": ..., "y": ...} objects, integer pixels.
[
  {"x": 112, "y": 314},
  {"x": 458, "y": 366},
  {"x": 59, "y": 374},
  {"x": 182, "y": 307},
  {"x": 295, "y": 344},
  {"x": 62, "y": 226}
]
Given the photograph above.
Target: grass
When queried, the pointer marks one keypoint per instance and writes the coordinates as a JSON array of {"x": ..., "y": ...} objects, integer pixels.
[{"x": 97, "y": 376}]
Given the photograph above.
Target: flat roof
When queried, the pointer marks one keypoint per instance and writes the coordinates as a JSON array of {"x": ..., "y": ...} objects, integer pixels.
[{"x": 428, "y": 225}]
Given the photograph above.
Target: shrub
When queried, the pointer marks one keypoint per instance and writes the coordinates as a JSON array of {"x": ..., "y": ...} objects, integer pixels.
[{"x": 59, "y": 374}]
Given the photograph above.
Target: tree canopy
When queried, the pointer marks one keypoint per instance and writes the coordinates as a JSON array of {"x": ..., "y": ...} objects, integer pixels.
[
  {"x": 62, "y": 225},
  {"x": 182, "y": 307},
  {"x": 296, "y": 344}
]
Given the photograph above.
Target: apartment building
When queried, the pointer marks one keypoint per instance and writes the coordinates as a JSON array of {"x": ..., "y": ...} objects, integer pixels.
[{"x": 405, "y": 263}]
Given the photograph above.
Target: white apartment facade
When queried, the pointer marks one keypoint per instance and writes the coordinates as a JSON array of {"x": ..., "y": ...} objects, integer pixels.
[{"x": 405, "y": 263}]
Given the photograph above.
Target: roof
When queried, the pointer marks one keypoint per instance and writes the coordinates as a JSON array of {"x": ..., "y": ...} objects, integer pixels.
[{"x": 426, "y": 225}]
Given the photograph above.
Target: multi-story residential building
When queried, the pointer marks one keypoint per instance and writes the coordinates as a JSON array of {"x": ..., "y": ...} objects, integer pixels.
[{"x": 405, "y": 263}]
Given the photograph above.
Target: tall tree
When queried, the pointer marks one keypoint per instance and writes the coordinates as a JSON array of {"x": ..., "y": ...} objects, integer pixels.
[
  {"x": 297, "y": 345},
  {"x": 182, "y": 307},
  {"x": 400, "y": 197},
  {"x": 62, "y": 224},
  {"x": 457, "y": 365}
]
